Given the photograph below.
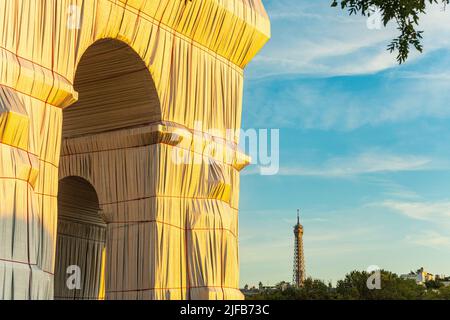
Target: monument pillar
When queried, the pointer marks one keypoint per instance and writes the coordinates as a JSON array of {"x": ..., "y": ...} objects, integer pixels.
[{"x": 31, "y": 98}]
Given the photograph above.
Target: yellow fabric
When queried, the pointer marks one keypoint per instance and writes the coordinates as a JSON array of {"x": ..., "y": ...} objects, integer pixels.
[
  {"x": 111, "y": 98},
  {"x": 102, "y": 293},
  {"x": 14, "y": 130}
]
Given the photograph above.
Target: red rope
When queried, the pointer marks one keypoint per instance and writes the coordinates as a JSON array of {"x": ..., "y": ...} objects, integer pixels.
[
  {"x": 174, "y": 288},
  {"x": 29, "y": 95},
  {"x": 36, "y": 63},
  {"x": 30, "y": 153},
  {"x": 169, "y": 196},
  {"x": 25, "y": 263},
  {"x": 174, "y": 226},
  {"x": 164, "y": 26}
]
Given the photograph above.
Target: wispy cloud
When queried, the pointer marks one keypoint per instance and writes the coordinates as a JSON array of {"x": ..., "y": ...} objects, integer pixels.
[
  {"x": 311, "y": 38},
  {"x": 339, "y": 235},
  {"x": 437, "y": 212},
  {"x": 391, "y": 189},
  {"x": 430, "y": 239},
  {"x": 296, "y": 80},
  {"x": 350, "y": 166},
  {"x": 346, "y": 104}
]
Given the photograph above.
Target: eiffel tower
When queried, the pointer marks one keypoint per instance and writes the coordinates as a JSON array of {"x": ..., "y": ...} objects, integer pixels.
[{"x": 299, "y": 258}]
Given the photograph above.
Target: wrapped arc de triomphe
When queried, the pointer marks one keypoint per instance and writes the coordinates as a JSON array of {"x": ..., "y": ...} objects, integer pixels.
[{"x": 99, "y": 101}]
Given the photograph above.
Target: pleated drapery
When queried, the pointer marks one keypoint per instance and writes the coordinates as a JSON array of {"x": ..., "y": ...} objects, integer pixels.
[{"x": 109, "y": 91}]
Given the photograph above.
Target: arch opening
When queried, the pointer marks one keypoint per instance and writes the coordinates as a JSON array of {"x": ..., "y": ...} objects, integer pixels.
[
  {"x": 81, "y": 242},
  {"x": 116, "y": 91}
]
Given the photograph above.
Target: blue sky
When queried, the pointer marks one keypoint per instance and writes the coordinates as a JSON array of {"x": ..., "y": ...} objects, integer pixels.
[{"x": 364, "y": 147}]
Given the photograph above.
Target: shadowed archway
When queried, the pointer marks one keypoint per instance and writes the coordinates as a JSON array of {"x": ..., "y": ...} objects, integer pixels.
[
  {"x": 116, "y": 91},
  {"x": 81, "y": 241}
]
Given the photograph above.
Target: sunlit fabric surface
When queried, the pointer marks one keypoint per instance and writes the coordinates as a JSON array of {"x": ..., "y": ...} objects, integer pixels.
[{"x": 116, "y": 92}]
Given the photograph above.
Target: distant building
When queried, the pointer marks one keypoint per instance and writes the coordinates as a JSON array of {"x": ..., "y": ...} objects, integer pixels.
[
  {"x": 445, "y": 280},
  {"x": 299, "y": 259},
  {"x": 420, "y": 276},
  {"x": 251, "y": 291},
  {"x": 441, "y": 277}
]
